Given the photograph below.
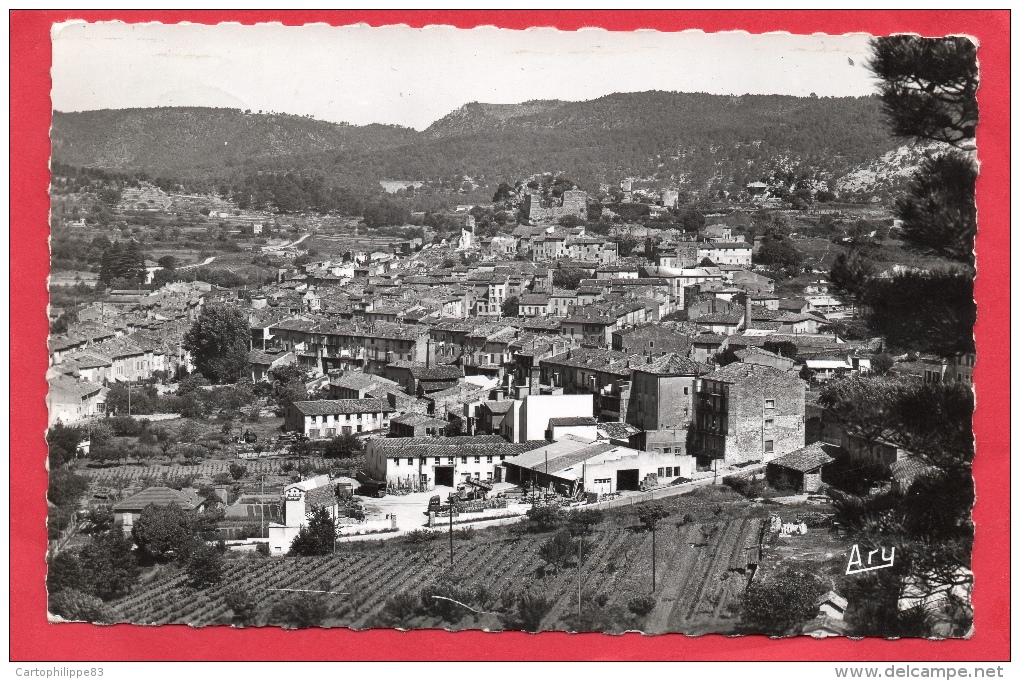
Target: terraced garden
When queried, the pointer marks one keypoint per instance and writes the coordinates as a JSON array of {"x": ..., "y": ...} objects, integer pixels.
[{"x": 702, "y": 552}]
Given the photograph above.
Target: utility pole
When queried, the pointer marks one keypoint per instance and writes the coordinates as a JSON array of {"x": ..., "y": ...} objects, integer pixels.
[
  {"x": 129, "y": 399},
  {"x": 653, "y": 558},
  {"x": 451, "y": 535},
  {"x": 580, "y": 542}
]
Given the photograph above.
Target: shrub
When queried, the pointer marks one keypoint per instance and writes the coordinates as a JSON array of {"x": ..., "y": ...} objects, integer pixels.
[
  {"x": 531, "y": 610},
  {"x": 420, "y": 536},
  {"x": 544, "y": 518},
  {"x": 109, "y": 564},
  {"x": 752, "y": 487},
  {"x": 299, "y": 611},
  {"x": 164, "y": 532},
  {"x": 124, "y": 425},
  {"x": 557, "y": 550},
  {"x": 583, "y": 521},
  {"x": 641, "y": 606},
  {"x": 66, "y": 487},
  {"x": 401, "y": 607},
  {"x": 780, "y": 605},
  {"x": 238, "y": 470},
  {"x": 204, "y": 566},
  {"x": 78, "y": 607},
  {"x": 438, "y": 598}
]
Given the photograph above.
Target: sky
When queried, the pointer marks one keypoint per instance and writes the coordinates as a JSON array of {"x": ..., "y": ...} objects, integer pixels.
[{"x": 412, "y": 77}]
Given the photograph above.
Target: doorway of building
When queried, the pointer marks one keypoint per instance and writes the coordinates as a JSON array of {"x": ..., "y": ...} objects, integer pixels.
[
  {"x": 627, "y": 480},
  {"x": 444, "y": 476}
]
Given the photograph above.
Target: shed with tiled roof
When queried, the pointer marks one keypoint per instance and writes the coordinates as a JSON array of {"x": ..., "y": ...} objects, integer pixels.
[
  {"x": 127, "y": 511},
  {"x": 801, "y": 470}
]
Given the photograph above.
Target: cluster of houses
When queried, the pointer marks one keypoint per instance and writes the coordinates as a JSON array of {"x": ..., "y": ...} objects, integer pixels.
[
  {"x": 648, "y": 370},
  {"x": 130, "y": 337}
]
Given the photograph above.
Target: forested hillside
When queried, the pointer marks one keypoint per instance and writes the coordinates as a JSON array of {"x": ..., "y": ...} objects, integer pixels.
[
  {"x": 193, "y": 141},
  {"x": 704, "y": 142}
]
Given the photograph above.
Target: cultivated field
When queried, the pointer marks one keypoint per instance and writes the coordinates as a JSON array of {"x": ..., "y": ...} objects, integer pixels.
[{"x": 701, "y": 572}]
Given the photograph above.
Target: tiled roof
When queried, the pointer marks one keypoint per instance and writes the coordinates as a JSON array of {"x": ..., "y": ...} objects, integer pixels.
[
  {"x": 572, "y": 421},
  {"x": 499, "y": 407},
  {"x": 265, "y": 358},
  {"x": 709, "y": 339},
  {"x": 356, "y": 380},
  {"x": 91, "y": 361},
  {"x": 808, "y": 458},
  {"x": 739, "y": 371},
  {"x": 160, "y": 496},
  {"x": 720, "y": 318},
  {"x": 436, "y": 373},
  {"x": 416, "y": 419},
  {"x": 462, "y": 445},
  {"x": 673, "y": 364},
  {"x": 617, "y": 430},
  {"x": 79, "y": 388},
  {"x": 320, "y": 407},
  {"x": 548, "y": 458},
  {"x": 726, "y": 246}
]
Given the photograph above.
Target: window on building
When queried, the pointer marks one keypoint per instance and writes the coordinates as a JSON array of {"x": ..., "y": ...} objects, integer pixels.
[
  {"x": 330, "y": 432},
  {"x": 314, "y": 432},
  {"x": 502, "y": 457},
  {"x": 769, "y": 446},
  {"x": 314, "y": 418},
  {"x": 769, "y": 424},
  {"x": 346, "y": 430},
  {"x": 488, "y": 459},
  {"x": 410, "y": 462},
  {"x": 463, "y": 459},
  {"x": 438, "y": 460},
  {"x": 770, "y": 404},
  {"x": 667, "y": 450},
  {"x": 478, "y": 459},
  {"x": 449, "y": 460},
  {"x": 686, "y": 391},
  {"x": 669, "y": 471},
  {"x": 662, "y": 472}
]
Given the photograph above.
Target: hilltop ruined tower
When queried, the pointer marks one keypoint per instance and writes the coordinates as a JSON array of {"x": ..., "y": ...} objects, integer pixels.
[{"x": 574, "y": 202}]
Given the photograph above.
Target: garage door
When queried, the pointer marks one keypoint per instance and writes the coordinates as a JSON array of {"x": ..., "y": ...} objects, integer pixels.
[
  {"x": 627, "y": 479},
  {"x": 444, "y": 476}
]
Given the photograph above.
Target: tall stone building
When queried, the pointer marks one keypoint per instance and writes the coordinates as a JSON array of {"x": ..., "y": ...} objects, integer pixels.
[
  {"x": 574, "y": 202},
  {"x": 746, "y": 413}
]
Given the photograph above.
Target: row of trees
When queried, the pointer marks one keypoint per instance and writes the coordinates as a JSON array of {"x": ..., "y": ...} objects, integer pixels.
[
  {"x": 80, "y": 582},
  {"x": 928, "y": 91},
  {"x": 122, "y": 263}
]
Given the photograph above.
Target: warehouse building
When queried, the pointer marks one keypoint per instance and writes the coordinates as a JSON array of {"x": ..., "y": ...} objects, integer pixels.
[
  {"x": 422, "y": 463},
  {"x": 574, "y": 464}
]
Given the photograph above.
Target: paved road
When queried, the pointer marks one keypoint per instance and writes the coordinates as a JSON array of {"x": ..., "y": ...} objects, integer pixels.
[
  {"x": 410, "y": 512},
  {"x": 707, "y": 478},
  {"x": 410, "y": 509},
  {"x": 273, "y": 249},
  {"x": 198, "y": 264}
]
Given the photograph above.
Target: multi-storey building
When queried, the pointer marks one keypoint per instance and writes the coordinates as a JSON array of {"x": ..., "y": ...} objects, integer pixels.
[
  {"x": 329, "y": 418},
  {"x": 746, "y": 413}
]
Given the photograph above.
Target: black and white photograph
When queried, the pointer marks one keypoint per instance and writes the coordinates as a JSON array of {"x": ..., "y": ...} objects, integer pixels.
[{"x": 512, "y": 330}]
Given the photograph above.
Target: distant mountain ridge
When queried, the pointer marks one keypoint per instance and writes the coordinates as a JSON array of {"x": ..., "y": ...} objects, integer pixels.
[
  {"x": 196, "y": 139},
  {"x": 699, "y": 141}
]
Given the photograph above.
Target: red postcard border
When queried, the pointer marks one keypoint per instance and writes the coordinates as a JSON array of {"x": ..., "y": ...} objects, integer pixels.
[{"x": 33, "y": 638}]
